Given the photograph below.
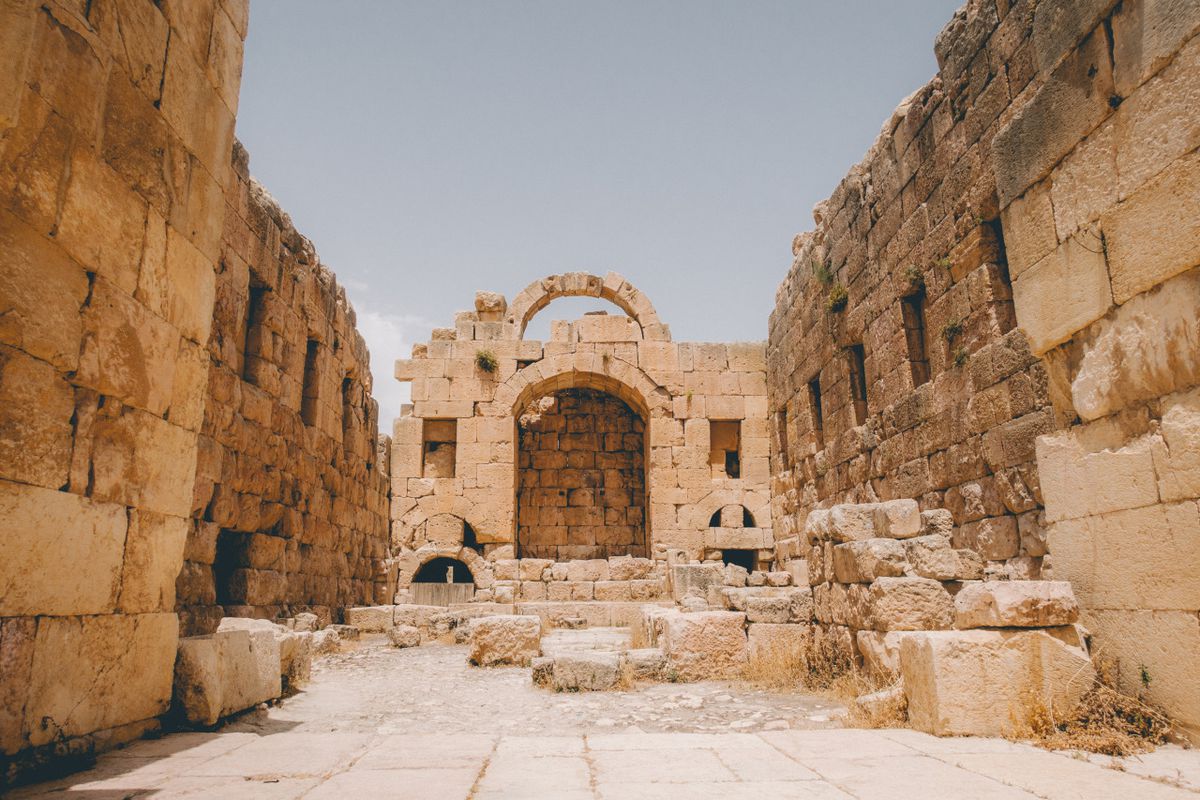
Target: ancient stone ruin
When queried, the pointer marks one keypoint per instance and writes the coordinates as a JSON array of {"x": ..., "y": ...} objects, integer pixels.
[{"x": 966, "y": 457}]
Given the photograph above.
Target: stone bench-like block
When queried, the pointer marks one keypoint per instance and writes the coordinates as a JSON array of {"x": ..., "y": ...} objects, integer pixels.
[
  {"x": 506, "y": 639},
  {"x": 985, "y": 682},
  {"x": 225, "y": 672},
  {"x": 1015, "y": 604}
]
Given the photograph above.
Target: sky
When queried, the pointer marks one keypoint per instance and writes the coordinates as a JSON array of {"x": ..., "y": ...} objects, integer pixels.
[{"x": 430, "y": 149}]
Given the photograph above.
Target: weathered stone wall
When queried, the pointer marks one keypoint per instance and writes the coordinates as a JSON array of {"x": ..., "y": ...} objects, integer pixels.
[
  {"x": 290, "y": 505},
  {"x": 581, "y": 478},
  {"x": 116, "y": 127},
  {"x": 954, "y": 398},
  {"x": 1099, "y": 182},
  {"x": 455, "y": 451},
  {"x": 1056, "y": 149},
  {"x": 134, "y": 432}
]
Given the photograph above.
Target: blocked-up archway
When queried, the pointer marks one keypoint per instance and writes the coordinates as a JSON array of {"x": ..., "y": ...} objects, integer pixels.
[{"x": 581, "y": 477}]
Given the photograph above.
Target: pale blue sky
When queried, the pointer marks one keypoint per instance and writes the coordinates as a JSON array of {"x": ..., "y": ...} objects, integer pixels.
[{"x": 431, "y": 149}]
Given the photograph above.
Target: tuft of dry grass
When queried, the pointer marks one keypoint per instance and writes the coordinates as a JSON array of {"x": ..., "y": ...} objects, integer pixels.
[
  {"x": 1105, "y": 721},
  {"x": 821, "y": 666},
  {"x": 626, "y": 679}
]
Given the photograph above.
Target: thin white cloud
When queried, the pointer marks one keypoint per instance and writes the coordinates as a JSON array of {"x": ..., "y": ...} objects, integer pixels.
[{"x": 389, "y": 337}]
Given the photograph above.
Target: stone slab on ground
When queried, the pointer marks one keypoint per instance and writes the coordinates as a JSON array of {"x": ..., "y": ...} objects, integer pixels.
[{"x": 505, "y": 639}]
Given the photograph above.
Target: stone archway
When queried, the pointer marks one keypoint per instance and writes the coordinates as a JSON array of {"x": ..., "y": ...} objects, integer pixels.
[{"x": 612, "y": 287}]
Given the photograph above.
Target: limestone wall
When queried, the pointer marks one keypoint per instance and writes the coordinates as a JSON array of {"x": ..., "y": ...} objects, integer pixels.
[
  {"x": 581, "y": 478},
  {"x": 114, "y": 158},
  {"x": 290, "y": 506},
  {"x": 1098, "y": 176},
  {"x": 135, "y": 434},
  {"x": 470, "y": 384},
  {"x": 954, "y": 399},
  {"x": 1039, "y": 197}
]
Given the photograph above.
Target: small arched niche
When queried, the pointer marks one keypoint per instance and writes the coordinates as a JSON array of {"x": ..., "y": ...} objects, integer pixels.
[{"x": 444, "y": 569}]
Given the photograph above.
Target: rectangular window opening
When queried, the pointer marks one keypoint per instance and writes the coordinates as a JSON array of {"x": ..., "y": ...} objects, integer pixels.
[
  {"x": 857, "y": 359},
  {"x": 814, "y": 408},
  {"x": 440, "y": 448},
  {"x": 348, "y": 426},
  {"x": 254, "y": 333},
  {"x": 725, "y": 448},
  {"x": 913, "y": 311},
  {"x": 781, "y": 439},
  {"x": 309, "y": 400}
]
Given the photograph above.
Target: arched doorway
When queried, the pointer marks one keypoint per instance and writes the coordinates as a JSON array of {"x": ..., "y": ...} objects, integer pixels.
[
  {"x": 443, "y": 581},
  {"x": 581, "y": 477}
]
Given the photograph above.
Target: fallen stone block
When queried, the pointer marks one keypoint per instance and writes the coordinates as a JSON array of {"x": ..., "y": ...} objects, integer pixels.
[
  {"x": 705, "y": 644},
  {"x": 779, "y": 578},
  {"x": 404, "y": 636},
  {"x": 989, "y": 682},
  {"x": 885, "y": 704},
  {"x": 370, "y": 619},
  {"x": 225, "y": 672},
  {"x": 295, "y": 649},
  {"x": 647, "y": 663},
  {"x": 628, "y": 568},
  {"x": 346, "y": 632},
  {"x": 542, "y": 670},
  {"x": 910, "y": 604},
  {"x": 326, "y": 641},
  {"x": 306, "y": 622},
  {"x": 506, "y": 639},
  {"x": 1015, "y": 604},
  {"x": 585, "y": 672}
]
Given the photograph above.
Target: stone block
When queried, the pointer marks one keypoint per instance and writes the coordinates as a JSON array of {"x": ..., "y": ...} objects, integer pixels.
[
  {"x": 153, "y": 554},
  {"x": 705, "y": 645},
  {"x": 612, "y": 591},
  {"x": 1162, "y": 328},
  {"x": 1026, "y": 673},
  {"x": 1154, "y": 234},
  {"x": 596, "y": 569},
  {"x": 585, "y": 672},
  {"x": 898, "y": 519},
  {"x": 910, "y": 604},
  {"x": 852, "y": 522},
  {"x": 534, "y": 569},
  {"x": 934, "y": 557},
  {"x": 1015, "y": 604},
  {"x": 505, "y": 639},
  {"x": 1146, "y": 35},
  {"x": 695, "y": 579},
  {"x": 767, "y": 640},
  {"x": 36, "y": 408},
  {"x": 994, "y": 538},
  {"x": 768, "y": 609},
  {"x": 144, "y": 461},
  {"x": 225, "y": 672},
  {"x": 94, "y": 673},
  {"x": 1072, "y": 101},
  {"x": 60, "y": 553},
  {"x": 1064, "y": 292},
  {"x": 372, "y": 619},
  {"x": 880, "y": 651},
  {"x": 404, "y": 636},
  {"x": 647, "y": 663},
  {"x": 865, "y": 560},
  {"x": 626, "y": 568}
]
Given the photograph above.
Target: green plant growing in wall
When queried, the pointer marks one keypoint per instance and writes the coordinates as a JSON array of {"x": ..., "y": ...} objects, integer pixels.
[
  {"x": 837, "y": 298},
  {"x": 945, "y": 263},
  {"x": 952, "y": 330},
  {"x": 486, "y": 360},
  {"x": 914, "y": 276},
  {"x": 823, "y": 272},
  {"x": 961, "y": 356}
]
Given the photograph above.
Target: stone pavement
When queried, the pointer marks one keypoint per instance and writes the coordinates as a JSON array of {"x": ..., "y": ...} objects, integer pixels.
[{"x": 418, "y": 723}]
